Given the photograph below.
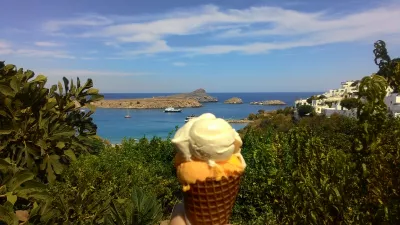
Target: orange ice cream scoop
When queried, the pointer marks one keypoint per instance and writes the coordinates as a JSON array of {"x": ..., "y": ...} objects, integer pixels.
[{"x": 192, "y": 171}]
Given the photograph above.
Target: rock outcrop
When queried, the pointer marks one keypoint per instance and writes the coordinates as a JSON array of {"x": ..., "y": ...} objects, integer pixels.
[
  {"x": 269, "y": 102},
  {"x": 199, "y": 95},
  {"x": 148, "y": 103},
  {"x": 234, "y": 100}
]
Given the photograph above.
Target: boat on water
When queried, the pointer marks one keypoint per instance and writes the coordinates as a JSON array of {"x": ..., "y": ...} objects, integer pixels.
[
  {"x": 172, "y": 109},
  {"x": 189, "y": 118},
  {"x": 127, "y": 114}
]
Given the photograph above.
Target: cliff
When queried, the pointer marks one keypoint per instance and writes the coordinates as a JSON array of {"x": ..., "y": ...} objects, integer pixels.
[
  {"x": 234, "y": 100},
  {"x": 199, "y": 95},
  {"x": 148, "y": 103},
  {"x": 269, "y": 102}
]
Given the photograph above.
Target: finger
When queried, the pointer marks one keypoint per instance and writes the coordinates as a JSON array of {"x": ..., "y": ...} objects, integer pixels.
[{"x": 178, "y": 216}]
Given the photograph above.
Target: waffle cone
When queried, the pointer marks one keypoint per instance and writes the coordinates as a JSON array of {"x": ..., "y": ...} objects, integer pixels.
[{"x": 211, "y": 202}]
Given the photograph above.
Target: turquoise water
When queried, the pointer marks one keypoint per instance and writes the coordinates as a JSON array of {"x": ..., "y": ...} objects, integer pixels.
[{"x": 154, "y": 122}]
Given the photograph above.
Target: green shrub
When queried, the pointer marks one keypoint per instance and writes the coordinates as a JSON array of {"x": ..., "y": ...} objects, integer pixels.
[
  {"x": 43, "y": 129},
  {"x": 93, "y": 182},
  {"x": 252, "y": 116},
  {"x": 313, "y": 174},
  {"x": 349, "y": 103},
  {"x": 41, "y": 132},
  {"x": 140, "y": 209},
  {"x": 305, "y": 110}
]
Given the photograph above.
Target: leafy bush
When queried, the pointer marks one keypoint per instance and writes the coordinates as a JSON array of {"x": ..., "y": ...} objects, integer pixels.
[
  {"x": 252, "y": 116},
  {"x": 314, "y": 174},
  {"x": 42, "y": 132},
  {"x": 43, "y": 129},
  {"x": 286, "y": 111},
  {"x": 93, "y": 182},
  {"x": 349, "y": 103},
  {"x": 304, "y": 110},
  {"x": 140, "y": 209}
]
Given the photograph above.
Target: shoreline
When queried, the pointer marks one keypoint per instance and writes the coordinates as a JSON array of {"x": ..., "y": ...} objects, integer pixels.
[{"x": 147, "y": 103}]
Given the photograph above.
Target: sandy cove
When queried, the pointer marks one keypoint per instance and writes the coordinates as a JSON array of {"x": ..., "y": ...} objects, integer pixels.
[{"x": 148, "y": 103}]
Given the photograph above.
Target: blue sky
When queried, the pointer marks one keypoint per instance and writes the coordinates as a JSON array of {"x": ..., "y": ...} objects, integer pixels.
[{"x": 181, "y": 45}]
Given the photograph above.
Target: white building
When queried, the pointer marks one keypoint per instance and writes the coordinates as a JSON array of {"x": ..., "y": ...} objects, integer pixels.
[
  {"x": 349, "y": 89},
  {"x": 392, "y": 100},
  {"x": 300, "y": 102},
  {"x": 318, "y": 105}
]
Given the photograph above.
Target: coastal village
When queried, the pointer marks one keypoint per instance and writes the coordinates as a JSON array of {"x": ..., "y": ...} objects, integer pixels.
[{"x": 330, "y": 102}]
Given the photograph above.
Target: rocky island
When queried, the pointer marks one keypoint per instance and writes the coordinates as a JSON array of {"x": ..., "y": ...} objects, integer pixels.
[
  {"x": 148, "y": 103},
  {"x": 269, "y": 102},
  {"x": 185, "y": 100},
  {"x": 200, "y": 95},
  {"x": 234, "y": 100}
]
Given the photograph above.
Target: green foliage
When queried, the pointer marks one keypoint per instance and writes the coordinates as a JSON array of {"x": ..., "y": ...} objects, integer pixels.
[
  {"x": 95, "y": 182},
  {"x": 286, "y": 111},
  {"x": 140, "y": 209},
  {"x": 43, "y": 129},
  {"x": 41, "y": 132},
  {"x": 349, "y": 103},
  {"x": 304, "y": 110},
  {"x": 388, "y": 68},
  {"x": 252, "y": 116},
  {"x": 313, "y": 174}
]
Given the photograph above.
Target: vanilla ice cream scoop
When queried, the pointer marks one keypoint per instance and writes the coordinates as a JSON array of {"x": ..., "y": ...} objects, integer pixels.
[
  {"x": 208, "y": 139},
  {"x": 181, "y": 138}
]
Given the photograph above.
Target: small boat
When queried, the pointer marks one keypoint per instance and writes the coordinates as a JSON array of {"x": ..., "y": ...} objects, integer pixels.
[
  {"x": 171, "y": 109},
  {"x": 127, "y": 114},
  {"x": 189, "y": 118}
]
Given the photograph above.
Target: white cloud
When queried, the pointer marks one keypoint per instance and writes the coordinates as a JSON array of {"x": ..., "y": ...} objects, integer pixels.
[
  {"x": 152, "y": 48},
  {"x": 88, "y": 58},
  {"x": 292, "y": 28},
  {"x": 179, "y": 64},
  {"x": 88, "y": 73},
  {"x": 85, "y": 21},
  {"x": 112, "y": 44},
  {"x": 47, "y": 44},
  {"x": 26, "y": 52}
]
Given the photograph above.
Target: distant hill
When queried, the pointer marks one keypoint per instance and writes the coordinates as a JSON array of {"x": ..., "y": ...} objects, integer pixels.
[{"x": 199, "y": 95}]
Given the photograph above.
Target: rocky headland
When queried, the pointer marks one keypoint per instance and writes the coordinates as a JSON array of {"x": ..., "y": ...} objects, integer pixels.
[
  {"x": 234, "y": 100},
  {"x": 200, "y": 95},
  {"x": 184, "y": 100},
  {"x": 148, "y": 103},
  {"x": 269, "y": 102}
]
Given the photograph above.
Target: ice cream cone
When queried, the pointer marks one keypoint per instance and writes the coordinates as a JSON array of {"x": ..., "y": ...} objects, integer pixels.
[{"x": 211, "y": 202}]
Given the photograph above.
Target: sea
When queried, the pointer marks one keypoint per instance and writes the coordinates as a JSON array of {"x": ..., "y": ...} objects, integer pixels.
[{"x": 114, "y": 127}]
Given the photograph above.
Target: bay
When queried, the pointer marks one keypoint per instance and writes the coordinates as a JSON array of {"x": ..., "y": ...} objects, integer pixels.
[{"x": 154, "y": 122}]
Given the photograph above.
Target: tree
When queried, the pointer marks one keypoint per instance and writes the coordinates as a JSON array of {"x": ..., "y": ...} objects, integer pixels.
[
  {"x": 304, "y": 110},
  {"x": 322, "y": 97},
  {"x": 41, "y": 132},
  {"x": 310, "y": 99},
  {"x": 349, "y": 103},
  {"x": 388, "y": 68}
]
